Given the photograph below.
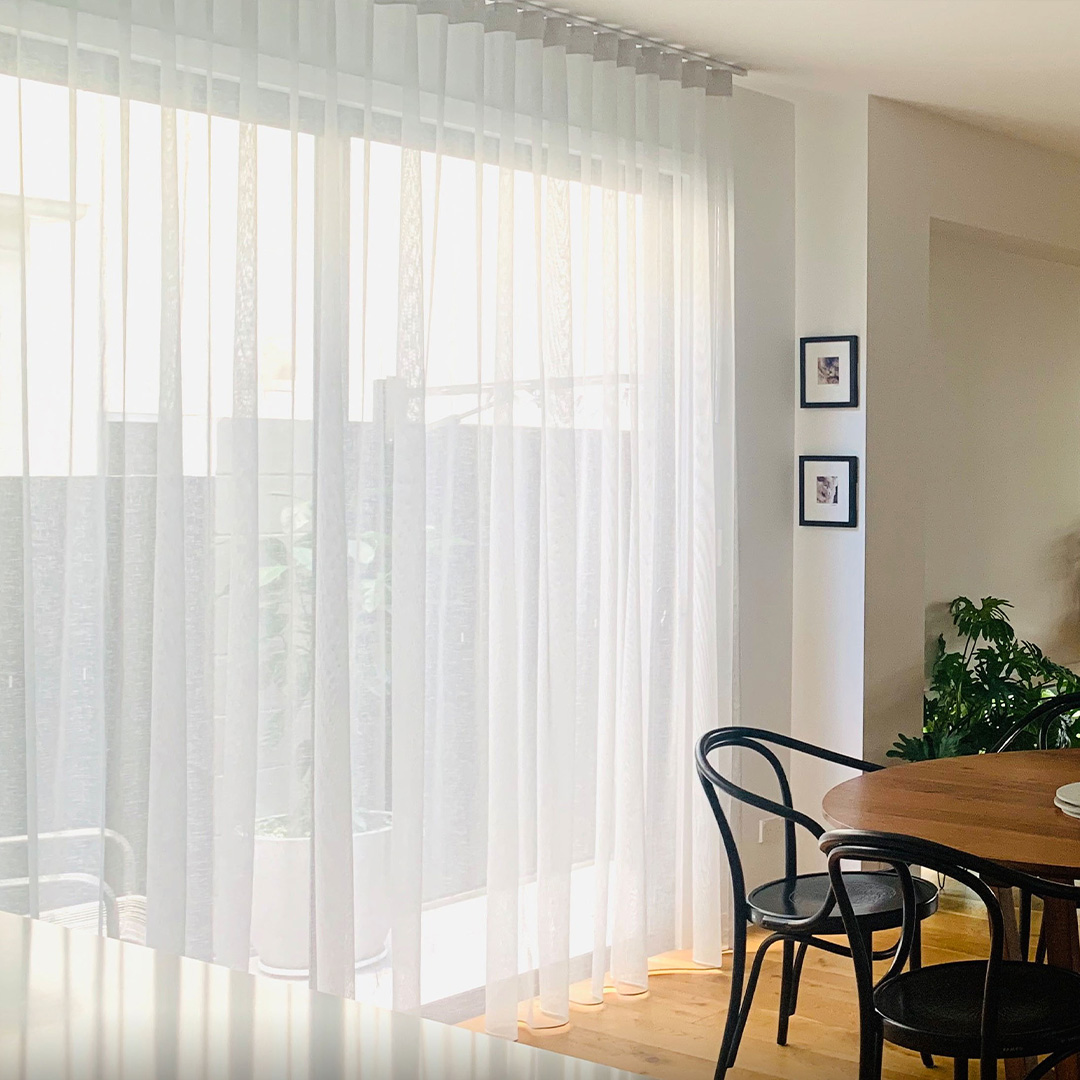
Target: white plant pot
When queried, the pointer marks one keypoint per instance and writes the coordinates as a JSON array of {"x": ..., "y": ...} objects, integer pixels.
[{"x": 281, "y": 897}]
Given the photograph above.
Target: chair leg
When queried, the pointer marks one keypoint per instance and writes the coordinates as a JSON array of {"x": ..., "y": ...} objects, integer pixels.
[
  {"x": 1025, "y": 923},
  {"x": 738, "y": 969},
  {"x": 786, "y": 983},
  {"x": 796, "y": 977},
  {"x": 748, "y": 1000},
  {"x": 871, "y": 1049},
  {"x": 871, "y": 1042},
  {"x": 1049, "y": 1063},
  {"x": 960, "y": 1069},
  {"x": 868, "y": 943},
  {"x": 915, "y": 964}
]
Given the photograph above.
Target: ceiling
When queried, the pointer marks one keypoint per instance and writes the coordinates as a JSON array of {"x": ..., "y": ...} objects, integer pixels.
[{"x": 1009, "y": 65}]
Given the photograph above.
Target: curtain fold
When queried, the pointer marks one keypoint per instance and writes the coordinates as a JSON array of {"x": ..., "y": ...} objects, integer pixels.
[{"x": 367, "y": 485}]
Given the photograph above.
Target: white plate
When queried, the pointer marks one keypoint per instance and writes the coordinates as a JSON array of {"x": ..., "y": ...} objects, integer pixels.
[
  {"x": 1069, "y": 793},
  {"x": 1071, "y": 811}
]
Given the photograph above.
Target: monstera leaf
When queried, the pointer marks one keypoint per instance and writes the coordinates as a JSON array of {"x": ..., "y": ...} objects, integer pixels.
[{"x": 977, "y": 693}]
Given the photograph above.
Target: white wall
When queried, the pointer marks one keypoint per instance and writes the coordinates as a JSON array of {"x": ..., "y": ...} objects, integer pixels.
[
  {"x": 827, "y": 583},
  {"x": 1003, "y": 497},
  {"x": 800, "y": 262},
  {"x": 922, "y": 167},
  {"x": 763, "y": 135}
]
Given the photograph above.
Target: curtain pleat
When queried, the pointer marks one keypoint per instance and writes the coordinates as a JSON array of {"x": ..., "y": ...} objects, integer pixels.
[
  {"x": 166, "y": 842},
  {"x": 23, "y": 600},
  {"x": 367, "y": 464},
  {"x": 408, "y": 544},
  {"x": 331, "y": 790}
]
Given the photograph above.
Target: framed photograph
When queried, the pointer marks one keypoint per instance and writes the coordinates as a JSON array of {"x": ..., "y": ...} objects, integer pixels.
[
  {"x": 828, "y": 491},
  {"x": 829, "y": 372}
]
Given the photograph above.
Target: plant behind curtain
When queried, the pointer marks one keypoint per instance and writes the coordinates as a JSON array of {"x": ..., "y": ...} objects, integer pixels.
[{"x": 366, "y": 456}]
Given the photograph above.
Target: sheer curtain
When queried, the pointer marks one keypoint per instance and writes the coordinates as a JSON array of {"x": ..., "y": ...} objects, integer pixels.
[{"x": 366, "y": 469}]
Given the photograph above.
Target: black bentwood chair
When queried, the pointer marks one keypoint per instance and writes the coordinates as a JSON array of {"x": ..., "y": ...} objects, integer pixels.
[
  {"x": 797, "y": 908},
  {"x": 1046, "y": 727},
  {"x": 984, "y": 1010}
]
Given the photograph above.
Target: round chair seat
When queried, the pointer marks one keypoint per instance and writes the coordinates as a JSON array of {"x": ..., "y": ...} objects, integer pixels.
[
  {"x": 938, "y": 1009},
  {"x": 877, "y": 898}
]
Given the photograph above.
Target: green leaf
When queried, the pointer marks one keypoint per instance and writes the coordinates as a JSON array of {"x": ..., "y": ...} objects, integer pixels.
[
  {"x": 978, "y": 693},
  {"x": 909, "y": 749},
  {"x": 274, "y": 551},
  {"x": 987, "y": 620},
  {"x": 269, "y": 574}
]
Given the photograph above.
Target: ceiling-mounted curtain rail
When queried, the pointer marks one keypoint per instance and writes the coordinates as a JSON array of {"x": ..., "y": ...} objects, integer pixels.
[
  {"x": 529, "y": 19},
  {"x": 630, "y": 35}
]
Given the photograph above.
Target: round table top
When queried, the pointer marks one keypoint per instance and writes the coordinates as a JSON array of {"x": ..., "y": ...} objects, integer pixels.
[{"x": 996, "y": 806}]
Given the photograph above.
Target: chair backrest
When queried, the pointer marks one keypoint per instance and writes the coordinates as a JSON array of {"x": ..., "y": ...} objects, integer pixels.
[
  {"x": 900, "y": 853},
  {"x": 760, "y": 742},
  {"x": 1040, "y": 722}
]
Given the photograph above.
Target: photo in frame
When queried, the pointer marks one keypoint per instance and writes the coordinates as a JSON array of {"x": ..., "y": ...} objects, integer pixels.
[
  {"x": 829, "y": 372},
  {"x": 828, "y": 491}
]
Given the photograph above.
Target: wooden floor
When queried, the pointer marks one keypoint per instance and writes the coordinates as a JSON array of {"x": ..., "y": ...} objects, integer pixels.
[{"x": 673, "y": 1031}]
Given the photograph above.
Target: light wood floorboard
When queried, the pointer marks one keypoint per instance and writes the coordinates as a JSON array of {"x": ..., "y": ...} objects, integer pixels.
[{"x": 673, "y": 1031}]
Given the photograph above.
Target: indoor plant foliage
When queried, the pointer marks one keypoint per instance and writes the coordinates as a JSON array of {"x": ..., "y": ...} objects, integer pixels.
[
  {"x": 978, "y": 692},
  {"x": 281, "y": 908}
]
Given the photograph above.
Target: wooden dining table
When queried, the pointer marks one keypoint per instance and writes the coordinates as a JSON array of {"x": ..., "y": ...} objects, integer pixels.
[{"x": 996, "y": 806}]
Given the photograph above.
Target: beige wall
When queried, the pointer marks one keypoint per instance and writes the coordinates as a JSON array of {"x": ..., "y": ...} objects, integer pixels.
[
  {"x": 923, "y": 167},
  {"x": 897, "y": 339},
  {"x": 1003, "y": 499}
]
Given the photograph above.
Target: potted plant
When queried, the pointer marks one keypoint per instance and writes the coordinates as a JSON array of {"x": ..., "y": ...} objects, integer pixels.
[
  {"x": 281, "y": 890},
  {"x": 978, "y": 692},
  {"x": 281, "y": 904}
]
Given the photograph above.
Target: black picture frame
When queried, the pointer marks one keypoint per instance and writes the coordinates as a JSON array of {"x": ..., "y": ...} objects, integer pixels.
[
  {"x": 852, "y": 401},
  {"x": 852, "y": 519}
]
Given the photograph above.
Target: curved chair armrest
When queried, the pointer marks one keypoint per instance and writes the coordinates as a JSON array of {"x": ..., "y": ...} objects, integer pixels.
[
  {"x": 740, "y": 737},
  {"x": 1045, "y": 714},
  {"x": 820, "y": 752}
]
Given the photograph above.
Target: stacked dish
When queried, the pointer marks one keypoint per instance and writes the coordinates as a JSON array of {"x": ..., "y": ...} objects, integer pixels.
[{"x": 1067, "y": 800}]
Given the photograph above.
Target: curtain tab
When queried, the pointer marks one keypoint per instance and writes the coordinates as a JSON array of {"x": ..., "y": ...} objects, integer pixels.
[
  {"x": 582, "y": 40},
  {"x": 648, "y": 60},
  {"x": 718, "y": 83},
  {"x": 556, "y": 32},
  {"x": 451, "y": 9},
  {"x": 628, "y": 53},
  {"x": 531, "y": 26},
  {"x": 671, "y": 67},
  {"x": 464, "y": 11},
  {"x": 500, "y": 16},
  {"x": 693, "y": 74},
  {"x": 606, "y": 47}
]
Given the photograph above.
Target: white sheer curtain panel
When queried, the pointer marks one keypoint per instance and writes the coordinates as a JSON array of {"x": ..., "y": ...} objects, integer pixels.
[{"x": 366, "y": 491}]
